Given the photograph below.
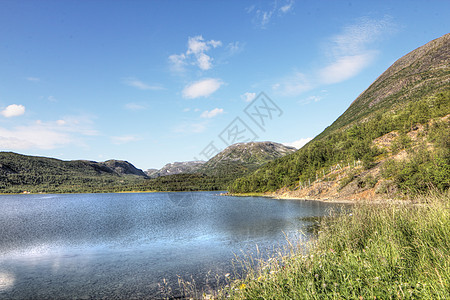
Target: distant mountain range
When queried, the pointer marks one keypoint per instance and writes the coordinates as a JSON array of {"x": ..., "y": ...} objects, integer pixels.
[
  {"x": 236, "y": 159},
  {"x": 176, "y": 168},
  {"x": 30, "y": 173}
]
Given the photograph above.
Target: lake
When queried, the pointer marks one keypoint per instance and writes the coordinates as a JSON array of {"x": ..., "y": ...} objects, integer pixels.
[{"x": 123, "y": 245}]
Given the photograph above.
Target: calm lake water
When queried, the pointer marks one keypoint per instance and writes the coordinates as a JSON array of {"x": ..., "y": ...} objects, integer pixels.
[{"x": 81, "y": 246}]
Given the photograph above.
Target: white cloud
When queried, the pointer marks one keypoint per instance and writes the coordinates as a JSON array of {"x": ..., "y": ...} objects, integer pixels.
[
  {"x": 47, "y": 135},
  {"x": 263, "y": 15},
  {"x": 211, "y": 114},
  {"x": 345, "y": 67},
  {"x": 195, "y": 54},
  {"x": 124, "y": 139},
  {"x": 354, "y": 39},
  {"x": 235, "y": 47},
  {"x": 202, "y": 88},
  {"x": 248, "y": 97},
  {"x": 293, "y": 85},
  {"x": 141, "y": 85},
  {"x": 287, "y": 7},
  {"x": 314, "y": 98},
  {"x": 34, "y": 136},
  {"x": 135, "y": 106},
  {"x": 33, "y": 79},
  {"x": 349, "y": 50},
  {"x": 204, "y": 61},
  {"x": 299, "y": 143},
  {"x": 13, "y": 110},
  {"x": 177, "y": 62}
]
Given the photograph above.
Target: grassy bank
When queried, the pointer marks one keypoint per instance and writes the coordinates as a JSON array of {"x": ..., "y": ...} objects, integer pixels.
[{"x": 375, "y": 252}]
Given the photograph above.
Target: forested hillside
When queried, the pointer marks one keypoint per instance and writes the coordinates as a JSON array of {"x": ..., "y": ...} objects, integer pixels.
[
  {"x": 410, "y": 101},
  {"x": 22, "y": 173}
]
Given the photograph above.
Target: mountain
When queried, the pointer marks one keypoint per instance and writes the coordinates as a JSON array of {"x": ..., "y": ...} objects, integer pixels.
[
  {"x": 235, "y": 161},
  {"x": 241, "y": 158},
  {"x": 13, "y": 163},
  {"x": 178, "y": 168},
  {"x": 391, "y": 142},
  {"x": 122, "y": 167},
  {"x": 150, "y": 172},
  {"x": 22, "y": 172},
  {"x": 422, "y": 72}
]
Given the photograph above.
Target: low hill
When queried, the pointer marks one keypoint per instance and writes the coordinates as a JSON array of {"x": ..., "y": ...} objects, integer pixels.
[
  {"x": 407, "y": 107},
  {"x": 31, "y": 173}
]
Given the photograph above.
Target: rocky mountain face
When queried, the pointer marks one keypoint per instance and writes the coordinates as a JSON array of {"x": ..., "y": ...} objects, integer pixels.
[
  {"x": 178, "y": 168},
  {"x": 235, "y": 159},
  {"x": 244, "y": 157},
  {"x": 150, "y": 172}
]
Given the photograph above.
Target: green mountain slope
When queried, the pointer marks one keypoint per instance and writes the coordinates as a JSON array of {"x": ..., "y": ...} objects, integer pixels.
[
  {"x": 242, "y": 158},
  {"x": 41, "y": 174},
  {"x": 216, "y": 174},
  {"x": 415, "y": 90},
  {"x": 420, "y": 73}
]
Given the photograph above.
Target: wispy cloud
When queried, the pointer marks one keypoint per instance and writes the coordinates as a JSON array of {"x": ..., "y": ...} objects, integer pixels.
[
  {"x": 135, "y": 106},
  {"x": 131, "y": 81},
  {"x": 293, "y": 85},
  {"x": 212, "y": 113},
  {"x": 262, "y": 16},
  {"x": 52, "y": 99},
  {"x": 314, "y": 98},
  {"x": 287, "y": 7},
  {"x": 248, "y": 97},
  {"x": 13, "y": 110},
  {"x": 196, "y": 54},
  {"x": 350, "y": 50},
  {"x": 234, "y": 48},
  {"x": 33, "y": 79},
  {"x": 47, "y": 135},
  {"x": 124, "y": 139},
  {"x": 202, "y": 88},
  {"x": 346, "y": 67},
  {"x": 299, "y": 143}
]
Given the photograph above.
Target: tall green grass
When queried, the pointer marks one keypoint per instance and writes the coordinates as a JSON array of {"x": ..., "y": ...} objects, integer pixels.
[{"x": 388, "y": 251}]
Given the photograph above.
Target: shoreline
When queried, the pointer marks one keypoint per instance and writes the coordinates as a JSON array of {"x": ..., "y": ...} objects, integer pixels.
[{"x": 324, "y": 200}]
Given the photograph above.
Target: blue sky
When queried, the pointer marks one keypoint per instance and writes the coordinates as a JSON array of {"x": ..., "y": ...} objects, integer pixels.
[{"x": 154, "y": 82}]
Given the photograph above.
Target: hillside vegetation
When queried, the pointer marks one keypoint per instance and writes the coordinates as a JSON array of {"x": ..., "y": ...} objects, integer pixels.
[
  {"x": 413, "y": 93},
  {"x": 19, "y": 173},
  {"x": 385, "y": 251}
]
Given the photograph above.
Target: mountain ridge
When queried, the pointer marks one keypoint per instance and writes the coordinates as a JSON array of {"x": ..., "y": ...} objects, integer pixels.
[
  {"x": 412, "y": 93},
  {"x": 412, "y": 75}
]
